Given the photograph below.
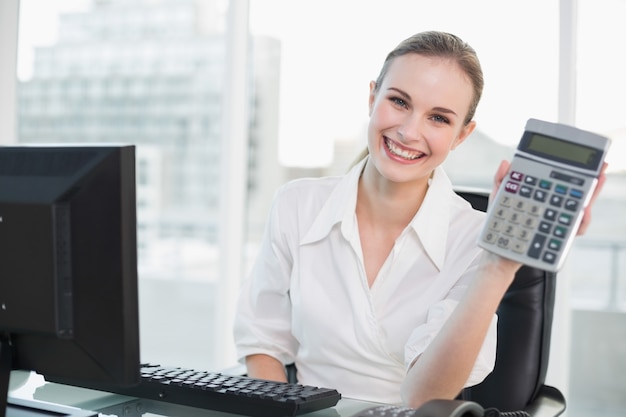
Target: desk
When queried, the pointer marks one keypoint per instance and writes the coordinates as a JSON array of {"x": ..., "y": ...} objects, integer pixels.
[{"x": 31, "y": 386}]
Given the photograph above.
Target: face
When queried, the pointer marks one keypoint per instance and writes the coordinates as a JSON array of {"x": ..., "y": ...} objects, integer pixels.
[{"x": 417, "y": 116}]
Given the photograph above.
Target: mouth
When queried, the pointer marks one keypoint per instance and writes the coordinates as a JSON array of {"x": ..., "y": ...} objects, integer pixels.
[{"x": 409, "y": 155}]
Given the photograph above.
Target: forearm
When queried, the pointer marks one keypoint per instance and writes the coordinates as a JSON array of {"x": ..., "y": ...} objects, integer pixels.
[
  {"x": 265, "y": 367},
  {"x": 443, "y": 368}
]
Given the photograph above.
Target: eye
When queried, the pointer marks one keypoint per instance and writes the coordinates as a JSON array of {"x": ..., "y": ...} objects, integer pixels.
[
  {"x": 399, "y": 102},
  {"x": 440, "y": 119}
]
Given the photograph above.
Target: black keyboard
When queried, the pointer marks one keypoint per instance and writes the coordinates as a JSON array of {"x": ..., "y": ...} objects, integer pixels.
[{"x": 228, "y": 393}]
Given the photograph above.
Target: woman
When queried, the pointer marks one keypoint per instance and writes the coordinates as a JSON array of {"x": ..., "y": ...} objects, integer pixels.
[{"x": 372, "y": 283}]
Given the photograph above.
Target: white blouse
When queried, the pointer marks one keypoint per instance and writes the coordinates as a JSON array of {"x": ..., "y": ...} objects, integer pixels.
[{"x": 307, "y": 299}]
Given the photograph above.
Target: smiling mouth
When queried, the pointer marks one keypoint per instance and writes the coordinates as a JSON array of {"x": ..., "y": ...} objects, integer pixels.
[{"x": 402, "y": 153}]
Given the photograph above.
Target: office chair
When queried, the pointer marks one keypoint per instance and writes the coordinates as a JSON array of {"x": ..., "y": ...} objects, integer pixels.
[{"x": 524, "y": 328}]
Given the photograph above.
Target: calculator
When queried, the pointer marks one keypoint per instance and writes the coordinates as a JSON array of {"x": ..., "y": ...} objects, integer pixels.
[{"x": 538, "y": 207}]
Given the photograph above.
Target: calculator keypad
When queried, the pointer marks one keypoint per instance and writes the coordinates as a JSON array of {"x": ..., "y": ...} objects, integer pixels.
[{"x": 533, "y": 216}]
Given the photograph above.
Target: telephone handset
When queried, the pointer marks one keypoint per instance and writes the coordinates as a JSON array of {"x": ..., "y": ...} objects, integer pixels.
[{"x": 438, "y": 408}]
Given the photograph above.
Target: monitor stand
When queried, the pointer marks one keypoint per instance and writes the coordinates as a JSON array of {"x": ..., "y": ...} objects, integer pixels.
[{"x": 17, "y": 407}]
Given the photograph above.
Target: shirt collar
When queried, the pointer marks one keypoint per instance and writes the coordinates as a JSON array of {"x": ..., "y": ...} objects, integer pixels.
[
  {"x": 430, "y": 224},
  {"x": 339, "y": 207},
  {"x": 432, "y": 221}
]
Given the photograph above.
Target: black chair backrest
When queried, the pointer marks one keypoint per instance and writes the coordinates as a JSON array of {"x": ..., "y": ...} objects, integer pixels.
[{"x": 525, "y": 318}]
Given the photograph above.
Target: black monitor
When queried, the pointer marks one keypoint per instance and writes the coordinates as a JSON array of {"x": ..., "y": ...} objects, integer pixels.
[{"x": 68, "y": 264}]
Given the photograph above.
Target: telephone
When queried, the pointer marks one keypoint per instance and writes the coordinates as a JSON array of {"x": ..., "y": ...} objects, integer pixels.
[{"x": 438, "y": 408}]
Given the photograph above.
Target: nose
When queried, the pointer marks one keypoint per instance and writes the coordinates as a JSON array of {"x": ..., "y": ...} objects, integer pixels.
[{"x": 411, "y": 128}]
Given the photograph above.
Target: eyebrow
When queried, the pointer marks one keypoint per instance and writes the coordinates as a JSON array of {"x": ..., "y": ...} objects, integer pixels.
[{"x": 408, "y": 98}]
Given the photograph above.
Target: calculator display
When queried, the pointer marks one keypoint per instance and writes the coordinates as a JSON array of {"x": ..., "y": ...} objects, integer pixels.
[{"x": 562, "y": 150}]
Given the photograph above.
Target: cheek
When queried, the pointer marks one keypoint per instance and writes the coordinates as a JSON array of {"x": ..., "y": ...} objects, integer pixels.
[
  {"x": 382, "y": 117},
  {"x": 442, "y": 144},
  {"x": 375, "y": 124},
  {"x": 454, "y": 144},
  {"x": 372, "y": 133}
]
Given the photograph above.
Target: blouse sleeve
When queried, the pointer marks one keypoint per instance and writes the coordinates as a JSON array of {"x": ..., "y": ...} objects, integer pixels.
[
  {"x": 263, "y": 317},
  {"x": 437, "y": 315}
]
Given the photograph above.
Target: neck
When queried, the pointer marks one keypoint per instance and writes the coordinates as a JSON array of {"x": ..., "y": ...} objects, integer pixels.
[{"x": 388, "y": 202}]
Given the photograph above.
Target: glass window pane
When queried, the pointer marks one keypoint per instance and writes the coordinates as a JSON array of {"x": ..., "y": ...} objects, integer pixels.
[
  {"x": 599, "y": 270},
  {"x": 150, "y": 74},
  {"x": 326, "y": 69}
]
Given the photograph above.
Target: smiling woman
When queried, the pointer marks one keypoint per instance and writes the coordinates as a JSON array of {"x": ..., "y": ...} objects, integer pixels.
[{"x": 395, "y": 237}]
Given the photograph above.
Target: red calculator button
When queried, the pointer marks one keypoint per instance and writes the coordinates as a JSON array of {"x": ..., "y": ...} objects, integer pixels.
[{"x": 511, "y": 187}]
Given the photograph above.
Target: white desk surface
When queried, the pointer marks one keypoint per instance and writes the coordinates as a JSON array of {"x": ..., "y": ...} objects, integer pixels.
[{"x": 30, "y": 386}]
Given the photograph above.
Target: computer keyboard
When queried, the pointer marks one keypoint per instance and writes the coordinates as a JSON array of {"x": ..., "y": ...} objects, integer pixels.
[{"x": 228, "y": 393}]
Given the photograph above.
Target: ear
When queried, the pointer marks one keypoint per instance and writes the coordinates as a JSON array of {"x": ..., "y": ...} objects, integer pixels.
[
  {"x": 465, "y": 132},
  {"x": 372, "y": 97}
]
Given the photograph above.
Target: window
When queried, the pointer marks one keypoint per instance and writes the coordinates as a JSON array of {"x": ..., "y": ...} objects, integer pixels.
[
  {"x": 148, "y": 74},
  {"x": 598, "y": 262}
]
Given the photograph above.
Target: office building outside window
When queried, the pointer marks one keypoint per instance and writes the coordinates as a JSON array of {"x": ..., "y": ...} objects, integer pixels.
[{"x": 153, "y": 74}]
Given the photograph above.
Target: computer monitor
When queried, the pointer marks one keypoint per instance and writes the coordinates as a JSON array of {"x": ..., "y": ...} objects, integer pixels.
[{"x": 68, "y": 264}]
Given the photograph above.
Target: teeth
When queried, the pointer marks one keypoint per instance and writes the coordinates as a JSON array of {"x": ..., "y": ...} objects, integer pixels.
[{"x": 401, "y": 152}]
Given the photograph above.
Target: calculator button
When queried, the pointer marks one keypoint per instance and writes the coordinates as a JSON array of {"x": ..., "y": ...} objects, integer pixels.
[
  {"x": 490, "y": 237},
  {"x": 534, "y": 209},
  {"x": 525, "y": 191},
  {"x": 501, "y": 212},
  {"x": 523, "y": 234},
  {"x": 565, "y": 219},
  {"x": 519, "y": 247},
  {"x": 560, "y": 231},
  {"x": 560, "y": 189},
  {"x": 545, "y": 227},
  {"x": 511, "y": 187},
  {"x": 519, "y": 205},
  {"x": 506, "y": 201},
  {"x": 550, "y": 214},
  {"x": 536, "y": 246},
  {"x": 576, "y": 193},
  {"x": 530, "y": 222},
  {"x": 496, "y": 225},
  {"x": 556, "y": 200},
  {"x": 549, "y": 257},
  {"x": 545, "y": 184},
  {"x": 509, "y": 230},
  {"x": 517, "y": 176},
  {"x": 554, "y": 244},
  {"x": 515, "y": 217},
  {"x": 540, "y": 195},
  {"x": 530, "y": 180},
  {"x": 504, "y": 242},
  {"x": 571, "y": 205}
]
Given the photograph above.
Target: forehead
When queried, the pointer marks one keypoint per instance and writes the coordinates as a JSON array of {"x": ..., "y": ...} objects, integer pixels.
[{"x": 424, "y": 76}]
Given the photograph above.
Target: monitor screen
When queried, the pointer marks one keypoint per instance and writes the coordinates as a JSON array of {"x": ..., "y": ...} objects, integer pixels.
[{"x": 68, "y": 264}]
